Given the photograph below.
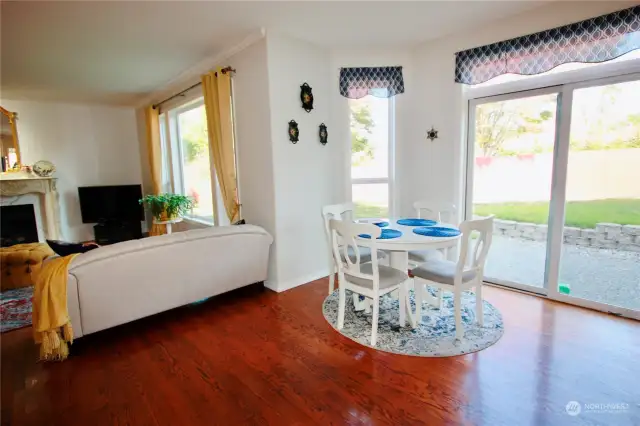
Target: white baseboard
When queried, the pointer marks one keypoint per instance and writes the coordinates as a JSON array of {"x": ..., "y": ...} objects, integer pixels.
[{"x": 279, "y": 287}]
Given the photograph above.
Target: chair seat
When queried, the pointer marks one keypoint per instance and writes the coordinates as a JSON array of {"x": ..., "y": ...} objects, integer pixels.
[
  {"x": 365, "y": 254},
  {"x": 421, "y": 256},
  {"x": 441, "y": 271},
  {"x": 389, "y": 277}
]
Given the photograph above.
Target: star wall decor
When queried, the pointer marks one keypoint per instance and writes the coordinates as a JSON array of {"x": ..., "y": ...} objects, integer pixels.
[{"x": 432, "y": 134}]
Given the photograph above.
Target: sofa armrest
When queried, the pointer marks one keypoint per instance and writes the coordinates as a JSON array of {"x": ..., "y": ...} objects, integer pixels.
[{"x": 73, "y": 305}]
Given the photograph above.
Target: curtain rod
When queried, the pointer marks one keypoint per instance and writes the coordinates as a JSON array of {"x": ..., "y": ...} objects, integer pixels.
[{"x": 223, "y": 70}]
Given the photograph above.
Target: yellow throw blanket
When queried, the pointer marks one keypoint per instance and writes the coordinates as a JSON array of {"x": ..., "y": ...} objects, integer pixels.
[{"x": 50, "y": 318}]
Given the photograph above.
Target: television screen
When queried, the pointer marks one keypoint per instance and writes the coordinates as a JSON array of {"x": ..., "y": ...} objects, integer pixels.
[{"x": 111, "y": 203}]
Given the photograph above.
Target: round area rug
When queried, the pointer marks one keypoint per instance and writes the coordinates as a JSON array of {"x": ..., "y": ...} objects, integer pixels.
[{"x": 433, "y": 337}]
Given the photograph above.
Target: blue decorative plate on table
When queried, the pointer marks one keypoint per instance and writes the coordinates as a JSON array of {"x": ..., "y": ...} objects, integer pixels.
[
  {"x": 387, "y": 234},
  {"x": 416, "y": 222},
  {"x": 437, "y": 231},
  {"x": 381, "y": 224}
]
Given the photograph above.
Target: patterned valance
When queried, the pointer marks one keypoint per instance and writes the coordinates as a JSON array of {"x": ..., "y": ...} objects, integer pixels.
[
  {"x": 594, "y": 40},
  {"x": 382, "y": 82}
]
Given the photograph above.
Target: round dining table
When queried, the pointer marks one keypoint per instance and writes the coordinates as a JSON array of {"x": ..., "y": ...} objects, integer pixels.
[{"x": 399, "y": 248}]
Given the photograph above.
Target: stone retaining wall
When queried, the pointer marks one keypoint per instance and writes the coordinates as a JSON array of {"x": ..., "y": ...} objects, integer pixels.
[{"x": 605, "y": 235}]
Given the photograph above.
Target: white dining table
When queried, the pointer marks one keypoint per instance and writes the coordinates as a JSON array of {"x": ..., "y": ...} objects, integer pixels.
[{"x": 399, "y": 248}]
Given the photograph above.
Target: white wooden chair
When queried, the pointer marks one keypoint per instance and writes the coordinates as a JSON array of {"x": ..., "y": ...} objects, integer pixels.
[
  {"x": 368, "y": 279},
  {"x": 342, "y": 211},
  {"x": 440, "y": 212},
  {"x": 460, "y": 276}
]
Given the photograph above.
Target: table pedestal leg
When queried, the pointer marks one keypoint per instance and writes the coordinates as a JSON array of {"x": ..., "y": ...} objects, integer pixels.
[
  {"x": 364, "y": 305},
  {"x": 400, "y": 260}
]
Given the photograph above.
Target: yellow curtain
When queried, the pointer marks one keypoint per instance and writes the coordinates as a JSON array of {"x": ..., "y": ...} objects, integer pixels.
[
  {"x": 152, "y": 116},
  {"x": 216, "y": 88}
]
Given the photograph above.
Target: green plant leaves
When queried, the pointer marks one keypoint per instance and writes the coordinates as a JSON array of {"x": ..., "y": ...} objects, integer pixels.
[{"x": 169, "y": 205}]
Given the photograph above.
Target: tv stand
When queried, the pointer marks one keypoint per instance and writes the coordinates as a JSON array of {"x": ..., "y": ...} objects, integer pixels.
[{"x": 116, "y": 232}]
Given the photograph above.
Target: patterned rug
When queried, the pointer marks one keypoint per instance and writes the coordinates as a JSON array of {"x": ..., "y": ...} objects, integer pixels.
[
  {"x": 434, "y": 336},
  {"x": 15, "y": 308}
]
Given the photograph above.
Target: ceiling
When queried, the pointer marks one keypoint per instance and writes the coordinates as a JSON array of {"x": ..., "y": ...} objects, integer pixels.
[{"x": 120, "y": 52}]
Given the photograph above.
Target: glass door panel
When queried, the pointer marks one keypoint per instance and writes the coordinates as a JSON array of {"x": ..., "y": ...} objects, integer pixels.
[
  {"x": 601, "y": 244},
  {"x": 514, "y": 141}
]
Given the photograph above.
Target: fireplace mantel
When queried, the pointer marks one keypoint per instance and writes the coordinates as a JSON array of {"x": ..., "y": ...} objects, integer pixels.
[{"x": 17, "y": 184}]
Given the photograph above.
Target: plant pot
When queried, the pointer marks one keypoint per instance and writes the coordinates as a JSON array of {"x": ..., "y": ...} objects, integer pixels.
[{"x": 165, "y": 218}]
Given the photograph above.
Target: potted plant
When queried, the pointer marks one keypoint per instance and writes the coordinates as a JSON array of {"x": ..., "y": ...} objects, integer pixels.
[{"x": 167, "y": 206}]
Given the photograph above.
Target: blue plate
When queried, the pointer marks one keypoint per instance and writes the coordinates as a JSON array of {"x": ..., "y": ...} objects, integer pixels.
[
  {"x": 381, "y": 224},
  {"x": 416, "y": 222},
  {"x": 387, "y": 234},
  {"x": 437, "y": 231}
]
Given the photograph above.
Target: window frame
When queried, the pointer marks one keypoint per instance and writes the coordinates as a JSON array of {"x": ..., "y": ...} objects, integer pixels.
[
  {"x": 173, "y": 159},
  {"x": 390, "y": 179}
]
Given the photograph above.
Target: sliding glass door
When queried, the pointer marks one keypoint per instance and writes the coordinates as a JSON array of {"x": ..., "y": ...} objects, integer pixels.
[
  {"x": 512, "y": 167},
  {"x": 601, "y": 243},
  {"x": 559, "y": 167}
]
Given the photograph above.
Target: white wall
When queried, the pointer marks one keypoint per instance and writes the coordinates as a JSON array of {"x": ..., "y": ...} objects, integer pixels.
[
  {"x": 89, "y": 145},
  {"x": 303, "y": 173},
  {"x": 253, "y": 141},
  {"x": 434, "y": 170}
]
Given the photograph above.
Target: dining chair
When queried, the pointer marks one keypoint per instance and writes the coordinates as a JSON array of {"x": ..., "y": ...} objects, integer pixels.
[
  {"x": 440, "y": 212},
  {"x": 371, "y": 279},
  {"x": 461, "y": 275},
  {"x": 342, "y": 211}
]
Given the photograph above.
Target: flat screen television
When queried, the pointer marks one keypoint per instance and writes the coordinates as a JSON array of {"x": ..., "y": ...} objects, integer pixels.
[{"x": 104, "y": 204}]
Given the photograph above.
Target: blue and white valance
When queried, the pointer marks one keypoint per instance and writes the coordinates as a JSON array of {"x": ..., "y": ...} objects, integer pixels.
[
  {"x": 594, "y": 40},
  {"x": 382, "y": 82}
]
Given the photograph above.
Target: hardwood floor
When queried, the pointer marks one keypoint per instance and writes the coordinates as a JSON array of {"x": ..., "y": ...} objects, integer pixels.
[{"x": 257, "y": 357}]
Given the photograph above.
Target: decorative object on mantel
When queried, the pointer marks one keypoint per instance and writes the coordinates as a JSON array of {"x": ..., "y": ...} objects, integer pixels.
[
  {"x": 598, "y": 39},
  {"x": 432, "y": 134},
  {"x": 381, "y": 82},
  {"x": 322, "y": 133},
  {"x": 306, "y": 97},
  {"x": 9, "y": 149},
  {"x": 294, "y": 133},
  {"x": 44, "y": 168}
]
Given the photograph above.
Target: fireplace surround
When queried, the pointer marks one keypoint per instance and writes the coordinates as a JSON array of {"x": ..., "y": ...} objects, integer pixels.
[{"x": 15, "y": 185}]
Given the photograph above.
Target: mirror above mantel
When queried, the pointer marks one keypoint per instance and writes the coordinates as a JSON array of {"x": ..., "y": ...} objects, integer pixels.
[{"x": 9, "y": 145}]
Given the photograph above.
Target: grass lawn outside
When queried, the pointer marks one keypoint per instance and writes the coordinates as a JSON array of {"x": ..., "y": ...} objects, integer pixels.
[
  {"x": 580, "y": 214},
  {"x": 370, "y": 210}
]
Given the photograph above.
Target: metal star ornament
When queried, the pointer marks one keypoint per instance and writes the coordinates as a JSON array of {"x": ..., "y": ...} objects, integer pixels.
[{"x": 432, "y": 134}]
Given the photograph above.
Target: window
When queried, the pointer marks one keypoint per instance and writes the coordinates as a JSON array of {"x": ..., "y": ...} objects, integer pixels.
[
  {"x": 187, "y": 166},
  {"x": 371, "y": 121}
]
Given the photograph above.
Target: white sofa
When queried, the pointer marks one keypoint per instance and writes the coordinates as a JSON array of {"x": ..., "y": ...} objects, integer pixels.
[{"x": 123, "y": 282}]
